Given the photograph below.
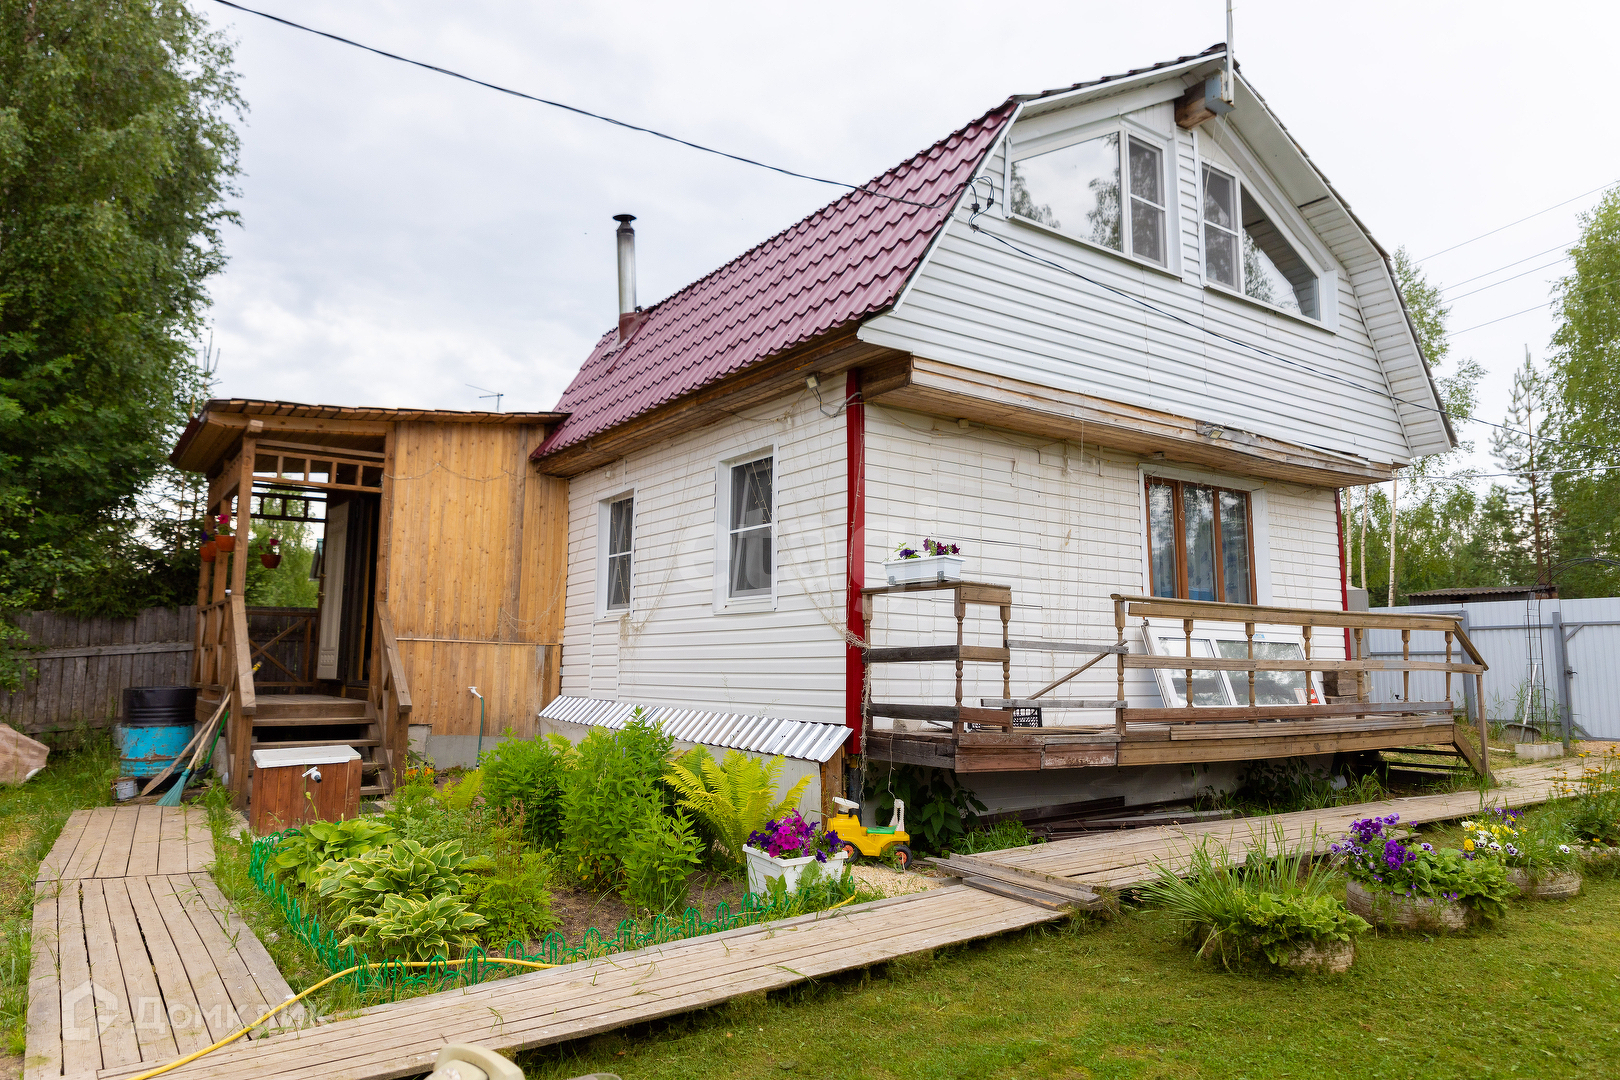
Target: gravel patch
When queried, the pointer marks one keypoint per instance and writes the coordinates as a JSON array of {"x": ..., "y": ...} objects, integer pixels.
[{"x": 891, "y": 882}]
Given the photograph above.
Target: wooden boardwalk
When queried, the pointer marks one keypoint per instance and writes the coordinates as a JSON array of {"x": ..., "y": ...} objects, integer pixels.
[
  {"x": 591, "y": 997},
  {"x": 137, "y": 958}
]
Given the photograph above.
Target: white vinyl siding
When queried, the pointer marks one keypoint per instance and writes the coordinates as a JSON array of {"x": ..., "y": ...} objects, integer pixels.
[{"x": 977, "y": 304}]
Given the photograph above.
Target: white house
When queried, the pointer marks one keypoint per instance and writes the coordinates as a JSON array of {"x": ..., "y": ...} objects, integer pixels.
[{"x": 1117, "y": 338}]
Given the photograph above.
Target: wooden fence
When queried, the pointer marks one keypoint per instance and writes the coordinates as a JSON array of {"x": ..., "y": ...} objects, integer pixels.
[{"x": 85, "y": 664}]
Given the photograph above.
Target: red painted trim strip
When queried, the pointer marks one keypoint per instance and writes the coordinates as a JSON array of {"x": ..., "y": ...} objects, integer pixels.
[
  {"x": 855, "y": 548},
  {"x": 1344, "y": 566}
]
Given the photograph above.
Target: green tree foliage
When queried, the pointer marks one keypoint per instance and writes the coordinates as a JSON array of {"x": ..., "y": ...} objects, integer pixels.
[
  {"x": 1523, "y": 445},
  {"x": 289, "y": 584},
  {"x": 116, "y": 157},
  {"x": 1585, "y": 365}
]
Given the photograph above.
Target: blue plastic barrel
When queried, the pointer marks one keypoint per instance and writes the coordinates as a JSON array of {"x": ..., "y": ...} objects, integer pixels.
[{"x": 156, "y": 725}]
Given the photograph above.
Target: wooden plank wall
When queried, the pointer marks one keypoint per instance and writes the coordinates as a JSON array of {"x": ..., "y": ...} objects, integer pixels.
[
  {"x": 476, "y": 565},
  {"x": 85, "y": 664}
]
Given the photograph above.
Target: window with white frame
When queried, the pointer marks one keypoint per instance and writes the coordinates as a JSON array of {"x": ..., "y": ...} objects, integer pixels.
[
  {"x": 749, "y": 540},
  {"x": 1245, "y": 251},
  {"x": 619, "y": 518},
  {"x": 1212, "y": 688},
  {"x": 1077, "y": 190}
]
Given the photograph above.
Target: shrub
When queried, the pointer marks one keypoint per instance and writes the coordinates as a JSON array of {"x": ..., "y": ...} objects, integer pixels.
[
  {"x": 407, "y": 869},
  {"x": 411, "y": 928},
  {"x": 512, "y": 893},
  {"x": 938, "y": 808},
  {"x": 1269, "y": 905},
  {"x": 606, "y": 794},
  {"x": 733, "y": 797},
  {"x": 303, "y": 852},
  {"x": 662, "y": 852},
  {"x": 528, "y": 774}
]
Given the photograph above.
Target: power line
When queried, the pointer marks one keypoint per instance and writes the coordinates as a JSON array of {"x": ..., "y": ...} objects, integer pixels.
[
  {"x": 1510, "y": 224},
  {"x": 1505, "y": 266},
  {"x": 1505, "y": 280},
  {"x": 1537, "y": 307},
  {"x": 856, "y": 188}
]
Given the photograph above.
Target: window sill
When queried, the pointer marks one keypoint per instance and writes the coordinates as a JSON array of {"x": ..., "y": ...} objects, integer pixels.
[
  {"x": 613, "y": 616},
  {"x": 1305, "y": 320},
  {"x": 745, "y": 604},
  {"x": 1091, "y": 245}
]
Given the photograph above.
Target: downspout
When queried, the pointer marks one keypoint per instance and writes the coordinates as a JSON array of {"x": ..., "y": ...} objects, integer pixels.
[
  {"x": 1344, "y": 568},
  {"x": 855, "y": 554}
]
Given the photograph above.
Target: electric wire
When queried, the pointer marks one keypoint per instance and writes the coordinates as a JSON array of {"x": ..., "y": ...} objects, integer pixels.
[
  {"x": 1509, "y": 225},
  {"x": 1505, "y": 266},
  {"x": 1505, "y": 280},
  {"x": 1536, "y": 307},
  {"x": 627, "y": 125}
]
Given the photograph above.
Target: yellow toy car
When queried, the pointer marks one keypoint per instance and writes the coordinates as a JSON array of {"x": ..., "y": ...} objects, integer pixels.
[{"x": 877, "y": 842}]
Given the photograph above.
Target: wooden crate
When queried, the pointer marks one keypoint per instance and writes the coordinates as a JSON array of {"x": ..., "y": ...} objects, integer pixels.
[{"x": 284, "y": 796}]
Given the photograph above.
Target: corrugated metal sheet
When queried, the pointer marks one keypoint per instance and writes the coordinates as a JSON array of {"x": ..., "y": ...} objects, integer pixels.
[
  {"x": 1517, "y": 640},
  {"x": 772, "y": 735},
  {"x": 847, "y": 260}
]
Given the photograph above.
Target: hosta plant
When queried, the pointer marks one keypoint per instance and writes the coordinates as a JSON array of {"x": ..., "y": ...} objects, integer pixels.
[
  {"x": 407, "y": 869},
  {"x": 305, "y": 852},
  {"x": 409, "y": 928},
  {"x": 734, "y": 797}
]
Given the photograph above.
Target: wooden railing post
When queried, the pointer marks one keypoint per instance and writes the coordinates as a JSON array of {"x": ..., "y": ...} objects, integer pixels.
[
  {"x": 1119, "y": 627},
  {"x": 1305, "y": 631},
  {"x": 1484, "y": 729},
  {"x": 1248, "y": 632},
  {"x": 392, "y": 696},
  {"x": 1187, "y": 628},
  {"x": 239, "y": 682},
  {"x": 1449, "y": 638},
  {"x": 1406, "y": 673}
]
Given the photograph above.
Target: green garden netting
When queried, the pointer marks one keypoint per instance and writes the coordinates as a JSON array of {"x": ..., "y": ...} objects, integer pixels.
[{"x": 480, "y": 964}]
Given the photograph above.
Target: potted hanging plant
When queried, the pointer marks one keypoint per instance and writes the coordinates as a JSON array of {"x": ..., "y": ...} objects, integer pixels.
[
  {"x": 223, "y": 540},
  {"x": 1397, "y": 882},
  {"x": 271, "y": 558},
  {"x": 792, "y": 849},
  {"x": 1541, "y": 862},
  {"x": 934, "y": 561},
  {"x": 209, "y": 549}
]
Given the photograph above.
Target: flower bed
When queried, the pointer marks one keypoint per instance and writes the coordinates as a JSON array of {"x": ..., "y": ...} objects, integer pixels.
[{"x": 1408, "y": 884}]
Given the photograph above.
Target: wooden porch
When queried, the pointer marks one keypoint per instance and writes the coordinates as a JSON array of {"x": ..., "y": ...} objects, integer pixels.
[{"x": 1012, "y": 733}]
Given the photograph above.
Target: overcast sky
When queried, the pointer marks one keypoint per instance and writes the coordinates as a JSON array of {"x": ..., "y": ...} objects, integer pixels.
[{"x": 404, "y": 234}]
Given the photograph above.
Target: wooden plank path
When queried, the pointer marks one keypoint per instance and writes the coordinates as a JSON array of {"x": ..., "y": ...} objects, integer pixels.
[
  {"x": 1127, "y": 857},
  {"x": 137, "y": 958},
  {"x": 590, "y": 997}
]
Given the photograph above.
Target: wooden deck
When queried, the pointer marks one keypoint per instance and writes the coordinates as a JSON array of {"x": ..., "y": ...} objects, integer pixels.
[
  {"x": 591, "y": 997},
  {"x": 137, "y": 958}
]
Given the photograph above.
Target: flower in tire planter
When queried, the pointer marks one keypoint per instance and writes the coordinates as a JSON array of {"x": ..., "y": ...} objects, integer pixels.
[
  {"x": 1542, "y": 862},
  {"x": 934, "y": 561},
  {"x": 788, "y": 848},
  {"x": 1398, "y": 882}
]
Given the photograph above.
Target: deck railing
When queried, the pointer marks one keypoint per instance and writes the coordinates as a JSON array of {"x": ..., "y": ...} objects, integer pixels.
[
  {"x": 224, "y": 665},
  {"x": 390, "y": 695}
]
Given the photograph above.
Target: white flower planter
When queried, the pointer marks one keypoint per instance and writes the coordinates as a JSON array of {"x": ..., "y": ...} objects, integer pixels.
[
  {"x": 936, "y": 568},
  {"x": 762, "y": 868}
]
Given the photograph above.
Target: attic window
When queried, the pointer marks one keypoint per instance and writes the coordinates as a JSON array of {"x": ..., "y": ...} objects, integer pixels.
[
  {"x": 1246, "y": 251},
  {"x": 1076, "y": 190}
]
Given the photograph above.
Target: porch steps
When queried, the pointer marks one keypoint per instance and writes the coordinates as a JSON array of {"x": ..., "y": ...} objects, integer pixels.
[
  {"x": 287, "y": 744},
  {"x": 288, "y": 721}
]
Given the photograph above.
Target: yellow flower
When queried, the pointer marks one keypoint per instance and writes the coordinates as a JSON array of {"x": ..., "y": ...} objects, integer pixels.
[{"x": 1468, "y": 845}]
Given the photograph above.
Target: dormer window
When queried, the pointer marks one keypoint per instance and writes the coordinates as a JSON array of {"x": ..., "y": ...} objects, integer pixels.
[
  {"x": 1076, "y": 190},
  {"x": 1245, "y": 251}
]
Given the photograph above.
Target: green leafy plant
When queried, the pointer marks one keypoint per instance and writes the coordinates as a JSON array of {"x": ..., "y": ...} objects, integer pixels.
[
  {"x": 1385, "y": 858},
  {"x": 458, "y": 794},
  {"x": 734, "y": 796},
  {"x": 659, "y": 860},
  {"x": 1537, "y": 844},
  {"x": 1594, "y": 808},
  {"x": 305, "y": 851},
  {"x": 413, "y": 928},
  {"x": 512, "y": 894},
  {"x": 529, "y": 773},
  {"x": 938, "y": 808},
  {"x": 605, "y": 796},
  {"x": 1273, "y": 902},
  {"x": 998, "y": 837},
  {"x": 407, "y": 869}
]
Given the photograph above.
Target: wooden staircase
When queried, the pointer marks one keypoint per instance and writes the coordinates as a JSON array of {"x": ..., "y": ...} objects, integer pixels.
[{"x": 284, "y": 721}]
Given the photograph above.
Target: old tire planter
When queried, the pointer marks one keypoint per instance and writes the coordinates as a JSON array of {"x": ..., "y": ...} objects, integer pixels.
[
  {"x": 1406, "y": 912},
  {"x": 1559, "y": 885},
  {"x": 1322, "y": 957}
]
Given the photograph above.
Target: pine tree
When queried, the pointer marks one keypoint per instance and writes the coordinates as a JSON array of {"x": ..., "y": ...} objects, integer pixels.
[{"x": 1522, "y": 447}]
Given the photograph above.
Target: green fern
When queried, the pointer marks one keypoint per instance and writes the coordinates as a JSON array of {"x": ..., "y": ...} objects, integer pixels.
[{"x": 733, "y": 797}]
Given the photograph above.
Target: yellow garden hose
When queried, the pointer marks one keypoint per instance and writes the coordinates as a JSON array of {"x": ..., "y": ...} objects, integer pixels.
[{"x": 175, "y": 1064}]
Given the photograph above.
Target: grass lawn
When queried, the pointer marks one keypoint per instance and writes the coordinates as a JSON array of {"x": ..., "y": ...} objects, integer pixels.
[{"x": 1538, "y": 996}]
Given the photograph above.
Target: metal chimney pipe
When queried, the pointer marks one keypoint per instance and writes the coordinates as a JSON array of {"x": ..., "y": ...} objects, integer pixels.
[{"x": 627, "y": 264}]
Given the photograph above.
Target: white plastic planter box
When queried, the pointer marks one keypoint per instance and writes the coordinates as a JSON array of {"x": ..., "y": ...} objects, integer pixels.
[
  {"x": 762, "y": 868},
  {"x": 936, "y": 568}
]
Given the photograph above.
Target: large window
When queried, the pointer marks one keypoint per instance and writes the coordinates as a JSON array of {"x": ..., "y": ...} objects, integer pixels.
[
  {"x": 620, "y": 547},
  {"x": 1076, "y": 190},
  {"x": 749, "y": 551},
  {"x": 1199, "y": 542},
  {"x": 1229, "y": 687},
  {"x": 1244, "y": 250}
]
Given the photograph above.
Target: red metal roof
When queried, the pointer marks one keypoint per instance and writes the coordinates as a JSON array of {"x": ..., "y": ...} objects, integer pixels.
[{"x": 846, "y": 261}]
